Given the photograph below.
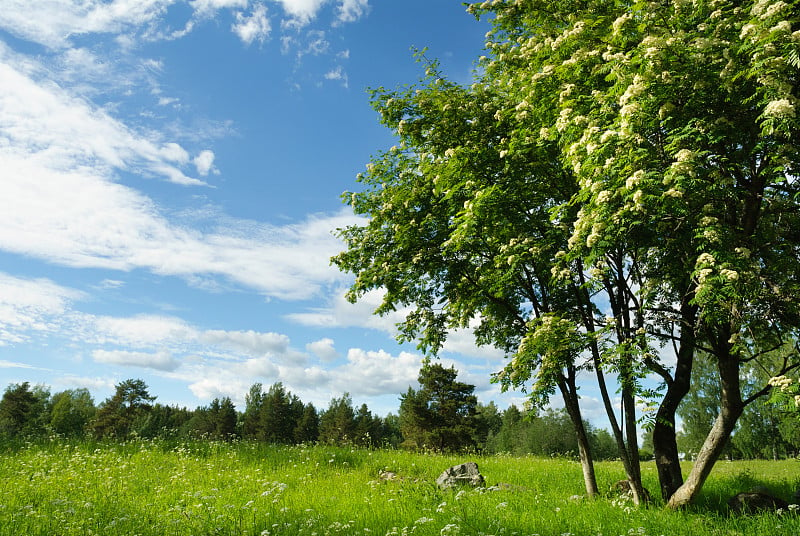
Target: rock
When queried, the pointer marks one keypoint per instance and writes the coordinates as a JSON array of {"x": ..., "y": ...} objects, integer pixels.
[
  {"x": 756, "y": 501},
  {"x": 460, "y": 475},
  {"x": 388, "y": 475}
]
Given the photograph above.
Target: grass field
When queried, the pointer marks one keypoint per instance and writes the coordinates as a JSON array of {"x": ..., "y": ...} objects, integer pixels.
[{"x": 204, "y": 488}]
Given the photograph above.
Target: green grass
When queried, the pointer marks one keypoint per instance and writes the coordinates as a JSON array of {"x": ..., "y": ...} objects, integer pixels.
[{"x": 204, "y": 488}]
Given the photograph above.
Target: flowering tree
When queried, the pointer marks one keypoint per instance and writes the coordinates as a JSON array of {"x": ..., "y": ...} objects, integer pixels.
[
  {"x": 616, "y": 191},
  {"x": 678, "y": 121},
  {"x": 463, "y": 236}
]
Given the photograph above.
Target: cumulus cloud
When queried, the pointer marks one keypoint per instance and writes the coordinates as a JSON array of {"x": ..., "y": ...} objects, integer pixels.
[
  {"x": 375, "y": 372},
  {"x": 256, "y": 27},
  {"x": 204, "y": 162},
  {"x": 323, "y": 348},
  {"x": 301, "y": 12}
]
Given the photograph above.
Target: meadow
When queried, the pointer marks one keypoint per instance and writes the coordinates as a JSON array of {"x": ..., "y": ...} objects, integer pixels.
[{"x": 161, "y": 487}]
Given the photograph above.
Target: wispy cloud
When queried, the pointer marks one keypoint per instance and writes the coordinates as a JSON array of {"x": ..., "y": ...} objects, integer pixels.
[
  {"x": 61, "y": 200},
  {"x": 53, "y": 24},
  {"x": 49, "y": 129},
  {"x": 352, "y": 10},
  {"x": 30, "y": 306}
]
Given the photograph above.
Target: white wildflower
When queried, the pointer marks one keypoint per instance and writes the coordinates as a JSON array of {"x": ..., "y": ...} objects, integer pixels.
[{"x": 730, "y": 275}]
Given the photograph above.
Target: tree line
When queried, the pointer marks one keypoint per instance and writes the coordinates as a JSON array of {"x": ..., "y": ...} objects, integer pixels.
[{"x": 442, "y": 415}]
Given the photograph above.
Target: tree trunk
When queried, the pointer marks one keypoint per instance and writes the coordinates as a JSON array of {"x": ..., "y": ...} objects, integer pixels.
[
  {"x": 634, "y": 468},
  {"x": 665, "y": 442},
  {"x": 572, "y": 406},
  {"x": 731, "y": 409}
]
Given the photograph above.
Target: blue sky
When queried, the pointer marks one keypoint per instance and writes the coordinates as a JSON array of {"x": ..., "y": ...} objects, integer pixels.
[{"x": 171, "y": 173}]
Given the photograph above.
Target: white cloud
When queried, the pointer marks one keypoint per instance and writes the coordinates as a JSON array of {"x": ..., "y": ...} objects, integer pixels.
[
  {"x": 352, "y": 10},
  {"x": 31, "y": 305},
  {"x": 317, "y": 43},
  {"x": 47, "y": 129},
  {"x": 59, "y": 201},
  {"x": 158, "y": 361},
  {"x": 12, "y": 364},
  {"x": 324, "y": 349},
  {"x": 462, "y": 342},
  {"x": 141, "y": 331},
  {"x": 53, "y": 22},
  {"x": 250, "y": 342},
  {"x": 260, "y": 367},
  {"x": 375, "y": 373},
  {"x": 204, "y": 162},
  {"x": 208, "y": 7},
  {"x": 340, "y": 313},
  {"x": 173, "y": 152},
  {"x": 93, "y": 384},
  {"x": 256, "y": 27},
  {"x": 301, "y": 11},
  {"x": 220, "y": 384},
  {"x": 337, "y": 74}
]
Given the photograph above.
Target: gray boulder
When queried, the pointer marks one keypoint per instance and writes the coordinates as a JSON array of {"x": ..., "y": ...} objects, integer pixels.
[{"x": 466, "y": 474}]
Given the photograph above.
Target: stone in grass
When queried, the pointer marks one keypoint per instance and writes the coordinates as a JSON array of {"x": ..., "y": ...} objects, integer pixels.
[
  {"x": 756, "y": 501},
  {"x": 461, "y": 475}
]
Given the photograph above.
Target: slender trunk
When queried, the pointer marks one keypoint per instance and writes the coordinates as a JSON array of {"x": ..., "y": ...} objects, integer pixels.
[
  {"x": 631, "y": 466},
  {"x": 665, "y": 442},
  {"x": 634, "y": 471},
  {"x": 570, "y": 395},
  {"x": 588, "y": 320},
  {"x": 731, "y": 409}
]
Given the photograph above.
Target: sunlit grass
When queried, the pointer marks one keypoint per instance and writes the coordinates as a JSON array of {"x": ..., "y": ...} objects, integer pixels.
[{"x": 197, "y": 488}]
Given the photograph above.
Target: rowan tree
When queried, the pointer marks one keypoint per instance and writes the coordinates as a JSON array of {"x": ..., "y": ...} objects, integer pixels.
[{"x": 619, "y": 184}]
